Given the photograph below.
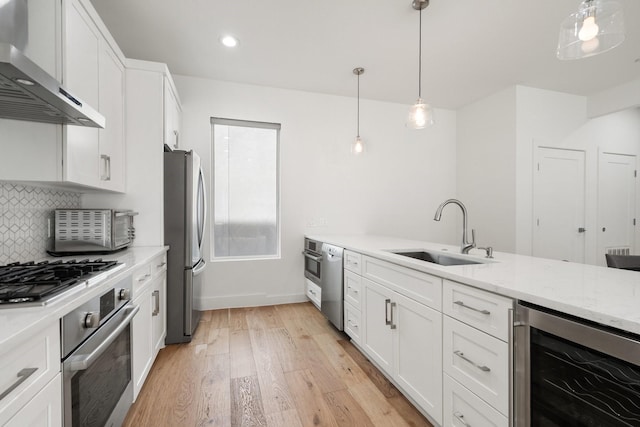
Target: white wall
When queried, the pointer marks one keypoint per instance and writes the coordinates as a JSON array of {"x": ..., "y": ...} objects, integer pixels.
[
  {"x": 394, "y": 189},
  {"x": 486, "y": 161},
  {"x": 522, "y": 118}
]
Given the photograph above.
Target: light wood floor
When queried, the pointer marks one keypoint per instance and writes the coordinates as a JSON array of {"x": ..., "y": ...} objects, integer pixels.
[{"x": 268, "y": 366}]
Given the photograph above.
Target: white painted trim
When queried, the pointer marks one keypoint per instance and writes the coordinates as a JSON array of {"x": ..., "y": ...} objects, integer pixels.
[{"x": 251, "y": 300}]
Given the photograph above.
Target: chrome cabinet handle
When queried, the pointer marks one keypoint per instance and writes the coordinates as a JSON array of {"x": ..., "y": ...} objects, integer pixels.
[
  {"x": 387, "y": 321},
  {"x": 462, "y": 304},
  {"x": 353, "y": 325},
  {"x": 460, "y": 418},
  {"x": 393, "y": 325},
  {"x": 161, "y": 265},
  {"x": 143, "y": 278},
  {"x": 22, "y": 377},
  {"x": 466, "y": 359},
  {"x": 156, "y": 309}
]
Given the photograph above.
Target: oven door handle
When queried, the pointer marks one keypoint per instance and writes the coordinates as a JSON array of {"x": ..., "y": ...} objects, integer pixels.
[
  {"x": 83, "y": 362},
  {"x": 315, "y": 258}
]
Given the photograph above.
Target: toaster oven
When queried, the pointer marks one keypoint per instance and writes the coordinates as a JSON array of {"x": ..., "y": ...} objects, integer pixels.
[{"x": 92, "y": 230}]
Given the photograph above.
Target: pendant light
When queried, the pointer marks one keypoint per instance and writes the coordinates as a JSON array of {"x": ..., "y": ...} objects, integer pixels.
[
  {"x": 597, "y": 27},
  {"x": 357, "y": 147},
  {"x": 420, "y": 114}
]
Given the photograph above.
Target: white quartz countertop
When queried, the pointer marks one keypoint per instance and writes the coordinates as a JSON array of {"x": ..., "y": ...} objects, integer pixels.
[
  {"x": 604, "y": 295},
  {"x": 17, "y": 323}
]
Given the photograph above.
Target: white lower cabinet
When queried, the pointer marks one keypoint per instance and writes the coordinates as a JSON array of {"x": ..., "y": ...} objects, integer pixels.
[
  {"x": 149, "y": 327},
  {"x": 399, "y": 335},
  {"x": 44, "y": 410},
  {"x": 26, "y": 370},
  {"x": 314, "y": 293},
  {"x": 352, "y": 322},
  {"x": 462, "y": 408}
]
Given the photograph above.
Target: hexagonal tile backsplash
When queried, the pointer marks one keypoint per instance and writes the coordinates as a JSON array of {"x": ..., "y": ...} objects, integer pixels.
[{"x": 23, "y": 219}]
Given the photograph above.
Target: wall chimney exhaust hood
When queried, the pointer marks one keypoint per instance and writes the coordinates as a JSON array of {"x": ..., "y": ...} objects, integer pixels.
[{"x": 27, "y": 92}]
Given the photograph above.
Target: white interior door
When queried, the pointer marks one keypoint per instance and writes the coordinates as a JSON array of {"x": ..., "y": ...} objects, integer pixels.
[
  {"x": 616, "y": 204},
  {"x": 559, "y": 204}
]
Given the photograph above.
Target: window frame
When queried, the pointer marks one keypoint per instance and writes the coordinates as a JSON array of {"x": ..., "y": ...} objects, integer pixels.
[{"x": 250, "y": 124}]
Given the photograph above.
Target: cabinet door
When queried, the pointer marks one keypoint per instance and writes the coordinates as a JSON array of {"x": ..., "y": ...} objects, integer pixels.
[
  {"x": 418, "y": 353},
  {"x": 172, "y": 116},
  {"x": 81, "y": 46},
  {"x": 142, "y": 352},
  {"x": 45, "y": 409},
  {"x": 158, "y": 313},
  {"x": 112, "y": 159},
  {"x": 377, "y": 336}
]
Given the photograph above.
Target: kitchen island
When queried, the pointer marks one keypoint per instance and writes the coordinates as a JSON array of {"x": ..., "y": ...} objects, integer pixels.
[
  {"x": 603, "y": 295},
  {"x": 456, "y": 339}
]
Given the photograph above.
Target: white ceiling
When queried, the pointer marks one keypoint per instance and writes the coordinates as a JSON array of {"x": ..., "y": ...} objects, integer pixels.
[{"x": 471, "y": 48}]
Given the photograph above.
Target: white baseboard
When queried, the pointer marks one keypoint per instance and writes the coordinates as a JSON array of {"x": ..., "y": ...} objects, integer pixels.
[{"x": 251, "y": 300}]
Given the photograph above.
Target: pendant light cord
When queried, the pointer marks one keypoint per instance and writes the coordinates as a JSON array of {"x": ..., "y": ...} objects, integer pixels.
[
  {"x": 420, "y": 57},
  {"x": 358, "y": 119}
]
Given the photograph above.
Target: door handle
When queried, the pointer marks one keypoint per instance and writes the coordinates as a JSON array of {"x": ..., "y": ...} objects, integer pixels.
[
  {"x": 393, "y": 325},
  {"x": 22, "y": 377},
  {"x": 581, "y": 230},
  {"x": 387, "y": 321},
  {"x": 466, "y": 359}
]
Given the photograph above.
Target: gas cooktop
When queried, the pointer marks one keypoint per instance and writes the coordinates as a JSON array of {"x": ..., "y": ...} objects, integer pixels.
[{"x": 39, "y": 282}]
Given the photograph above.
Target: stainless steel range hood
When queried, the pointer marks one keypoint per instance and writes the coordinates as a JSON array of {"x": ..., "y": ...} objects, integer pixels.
[{"x": 27, "y": 92}]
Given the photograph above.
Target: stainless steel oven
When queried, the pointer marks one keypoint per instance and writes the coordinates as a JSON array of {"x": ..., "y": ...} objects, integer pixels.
[
  {"x": 571, "y": 372},
  {"x": 96, "y": 343},
  {"x": 313, "y": 260}
]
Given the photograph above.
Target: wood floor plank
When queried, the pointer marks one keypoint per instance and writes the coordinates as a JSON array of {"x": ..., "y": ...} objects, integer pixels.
[
  {"x": 346, "y": 368},
  {"x": 346, "y": 411},
  {"x": 218, "y": 341},
  {"x": 291, "y": 358},
  {"x": 310, "y": 403},
  {"x": 191, "y": 384},
  {"x": 219, "y": 318},
  {"x": 376, "y": 377},
  {"x": 273, "y": 386},
  {"x": 263, "y": 318},
  {"x": 238, "y": 319},
  {"x": 214, "y": 405},
  {"x": 400, "y": 403},
  {"x": 241, "y": 359},
  {"x": 326, "y": 376},
  {"x": 288, "y": 418},
  {"x": 376, "y": 406},
  {"x": 246, "y": 403}
]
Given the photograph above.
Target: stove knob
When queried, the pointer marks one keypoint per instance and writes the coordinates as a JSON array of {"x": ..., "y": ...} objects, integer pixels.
[
  {"x": 124, "y": 294},
  {"x": 91, "y": 320}
]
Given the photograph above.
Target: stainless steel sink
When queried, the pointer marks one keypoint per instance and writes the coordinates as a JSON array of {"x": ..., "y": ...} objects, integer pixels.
[{"x": 437, "y": 258}]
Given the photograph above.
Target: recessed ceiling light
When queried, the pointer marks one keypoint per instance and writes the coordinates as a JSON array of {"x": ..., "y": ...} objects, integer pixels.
[{"x": 229, "y": 41}]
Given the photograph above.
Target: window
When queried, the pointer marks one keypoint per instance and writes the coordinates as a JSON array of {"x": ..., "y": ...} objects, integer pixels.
[{"x": 246, "y": 205}]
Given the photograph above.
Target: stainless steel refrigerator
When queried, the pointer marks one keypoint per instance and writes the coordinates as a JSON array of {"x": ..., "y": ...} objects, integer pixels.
[{"x": 185, "y": 207}]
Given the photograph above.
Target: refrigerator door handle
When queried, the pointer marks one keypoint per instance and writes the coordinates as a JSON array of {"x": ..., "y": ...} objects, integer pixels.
[{"x": 199, "y": 268}]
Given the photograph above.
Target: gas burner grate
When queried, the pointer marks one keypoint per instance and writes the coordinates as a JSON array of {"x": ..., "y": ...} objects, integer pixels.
[{"x": 31, "y": 281}]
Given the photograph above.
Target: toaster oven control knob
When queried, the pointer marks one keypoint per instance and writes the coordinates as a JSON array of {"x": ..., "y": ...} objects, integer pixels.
[
  {"x": 124, "y": 294},
  {"x": 91, "y": 320}
]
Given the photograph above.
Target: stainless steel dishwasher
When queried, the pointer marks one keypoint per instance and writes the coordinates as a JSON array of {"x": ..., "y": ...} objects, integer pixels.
[{"x": 332, "y": 305}]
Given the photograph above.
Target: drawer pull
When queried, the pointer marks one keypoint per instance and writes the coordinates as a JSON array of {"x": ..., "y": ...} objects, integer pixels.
[
  {"x": 461, "y": 304},
  {"x": 353, "y": 325},
  {"x": 143, "y": 278},
  {"x": 161, "y": 265},
  {"x": 22, "y": 377},
  {"x": 466, "y": 359},
  {"x": 393, "y": 325},
  {"x": 387, "y": 321},
  {"x": 460, "y": 418},
  {"x": 156, "y": 297},
  {"x": 355, "y": 291}
]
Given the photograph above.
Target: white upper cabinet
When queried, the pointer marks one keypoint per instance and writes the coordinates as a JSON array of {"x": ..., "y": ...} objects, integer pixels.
[
  {"x": 68, "y": 39},
  {"x": 172, "y": 115}
]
